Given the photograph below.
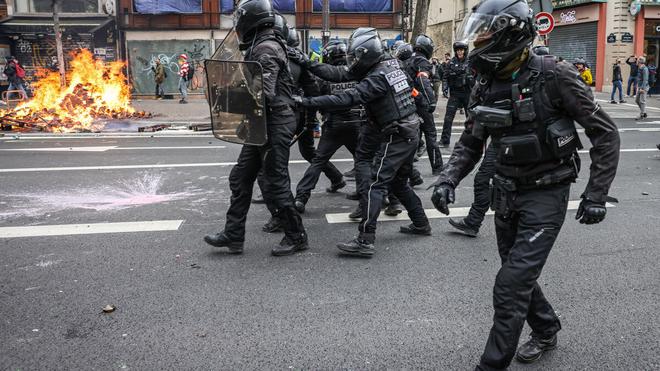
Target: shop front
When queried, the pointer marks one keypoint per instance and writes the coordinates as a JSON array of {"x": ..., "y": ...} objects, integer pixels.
[
  {"x": 651, "y": 48},
  {"x": 577, "y": 34}
]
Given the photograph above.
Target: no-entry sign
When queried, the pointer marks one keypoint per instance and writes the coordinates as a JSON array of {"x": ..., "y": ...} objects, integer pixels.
[{"x": 545, "y": 23}]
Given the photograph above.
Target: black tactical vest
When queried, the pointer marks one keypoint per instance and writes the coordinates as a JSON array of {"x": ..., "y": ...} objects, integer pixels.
[
  {"x": 398, "y": 102},
  {"x": 459, "y": 76},
  {"x": 530, "y": 138}
]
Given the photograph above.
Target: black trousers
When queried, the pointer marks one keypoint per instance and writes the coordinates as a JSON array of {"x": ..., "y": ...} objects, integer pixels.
[
  {"x": 482, "y": 188},
  {"x": 369, "y": 142},
  {"x": 394, "y": 167},
  {"x": 334, "y": 137},
  {"x": 308, "y": 152},
  {"x": 431, "y": 135},
  {"x": 456, "y": 102},
  {"x": 273, "y": 159},
  {"x": 524, "y": 241}
]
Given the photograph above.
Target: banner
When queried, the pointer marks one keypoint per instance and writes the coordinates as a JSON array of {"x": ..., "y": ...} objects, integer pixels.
[
  {"x": 282, "y": 6},
  {"x": 167, "y": 6},
  {"x": 356, "y": 6}
]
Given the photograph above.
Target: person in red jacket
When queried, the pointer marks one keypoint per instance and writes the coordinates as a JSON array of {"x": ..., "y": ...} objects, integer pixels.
[
  {"x": 184, "y": 68},
  {"x": 15, "y": 75}
]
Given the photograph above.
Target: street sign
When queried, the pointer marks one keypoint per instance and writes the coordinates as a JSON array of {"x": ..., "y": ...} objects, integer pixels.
[
  {"x": 627, "y": 38},
  {"x": 611, "y": 38},
  {"x": 545, "y": 23}
]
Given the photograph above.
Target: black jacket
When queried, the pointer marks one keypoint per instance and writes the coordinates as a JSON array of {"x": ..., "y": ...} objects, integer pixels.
[
  {"x": 420, "y": 70},
  {"x": 278, "y": 85},
  {"x": 577, "y": 103},
  {"x": 616, "y": 73},
  {"x": 10, "y": 72}
]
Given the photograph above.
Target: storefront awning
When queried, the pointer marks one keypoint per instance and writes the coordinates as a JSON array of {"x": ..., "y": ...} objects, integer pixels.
[{"x": 22, "y": 25}]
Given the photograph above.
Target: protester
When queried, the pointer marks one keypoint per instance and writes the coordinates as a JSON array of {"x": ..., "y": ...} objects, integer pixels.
[
  {"x": 159, "y": 78},
  {"x": 183, "y": 77},
  {"x": 15, "y": 75},
  {"x": 443, "y": 67},
  {"x": 632, "y": 79},
  {"x": 617, "y": 82},
  {"x": 652, "y": 76},
  {"x": 585, "y": 72},
  {"x": 642, "y": 86}
]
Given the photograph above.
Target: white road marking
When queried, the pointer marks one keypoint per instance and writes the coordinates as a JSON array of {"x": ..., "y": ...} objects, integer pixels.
[
  {"x": 455, "y": 212},
  {"x": 213, "y": 164},
  {"x": 94, "y": 228},
  {"x": 61, "y": 149},
  {"x": 104, "y": 149}
]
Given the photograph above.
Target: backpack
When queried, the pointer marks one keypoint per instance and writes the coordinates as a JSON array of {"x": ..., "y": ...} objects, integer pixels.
[
  {"x": 20, "y": 72},
  {"x": 191, "y": 71}
]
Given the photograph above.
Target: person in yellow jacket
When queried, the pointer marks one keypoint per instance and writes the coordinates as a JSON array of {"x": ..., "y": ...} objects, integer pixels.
[{"x": 585, "y": 72}]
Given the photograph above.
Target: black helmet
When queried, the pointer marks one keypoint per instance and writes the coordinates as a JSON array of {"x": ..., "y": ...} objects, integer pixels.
[
  {"x": 280, "y": 27},
  {"x": 541, "y": 50},
  {"x": 363, "y": 31},
  {"x": 424, "y": 45},
  {"x": 404, "y": 51},
  {"x": 250, "y": 15},
  {"x": 500, "y": 30},
  {"x": 364, "y": 51},
  {"x": 397, "y": 44},
  {"x": 461, "y": 45},
  {"x": 293, "y": 40},
  {"x": 335, "y": 53}
]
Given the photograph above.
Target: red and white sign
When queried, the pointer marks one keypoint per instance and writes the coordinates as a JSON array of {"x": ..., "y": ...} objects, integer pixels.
[{"x": 545, "y": 23}]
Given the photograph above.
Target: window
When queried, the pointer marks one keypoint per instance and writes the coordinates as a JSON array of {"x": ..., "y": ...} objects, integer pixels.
[{"x": 46, "y": 6}]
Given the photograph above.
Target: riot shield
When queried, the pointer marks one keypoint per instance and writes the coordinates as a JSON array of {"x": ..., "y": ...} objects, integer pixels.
[{"x": 237, "y": 101}]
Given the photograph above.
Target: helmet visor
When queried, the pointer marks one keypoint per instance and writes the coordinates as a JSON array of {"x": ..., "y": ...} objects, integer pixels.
[{"x": 480, "y": 28}]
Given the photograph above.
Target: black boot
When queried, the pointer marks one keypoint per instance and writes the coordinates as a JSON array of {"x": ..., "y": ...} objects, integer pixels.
[
  {"x": 464, "y": 227},
  {"x": 356, "y": 214},
  {"x": 221, "y": 240},
  {"x": 274, "y": 225},
  {"x": 258, "y": 199},
  {"x": 353, "y": 196},
  {"x": 289, "y": 247},
  {"x": 359, "y": 246},
  {"x": 336, "y": 186},
  {"x": 393, "y": 209},
  {"x": 350, "y": 174},
  {"x": 534, "y": 348},
  {"x": 300, "y": 206},
  {"x": 413, "y": 229}
]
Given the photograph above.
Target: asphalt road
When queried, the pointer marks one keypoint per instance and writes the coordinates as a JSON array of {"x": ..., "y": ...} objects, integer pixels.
[{"x": 420, "y": 303}]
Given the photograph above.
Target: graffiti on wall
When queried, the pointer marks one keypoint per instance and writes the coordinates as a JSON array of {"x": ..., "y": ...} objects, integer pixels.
[{"x": 143, "y": 56}]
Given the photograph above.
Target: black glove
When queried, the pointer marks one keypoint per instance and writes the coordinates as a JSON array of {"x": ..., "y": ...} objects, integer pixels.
[
  {"x": 443, "y": 195},
  {"x": 297, "y": 99},
  {"x": 431, "y": 108},
  {"x": 590, "y": 212},
  {"x": 445, "y": 93}
]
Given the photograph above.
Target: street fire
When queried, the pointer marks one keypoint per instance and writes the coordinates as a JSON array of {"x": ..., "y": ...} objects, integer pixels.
[{"x": 95, "y": 91}]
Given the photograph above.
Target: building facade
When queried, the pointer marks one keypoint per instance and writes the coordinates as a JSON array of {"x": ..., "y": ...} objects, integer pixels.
[
  {"x": 26, "y": 31},
  {"x": 168, "y": 28}
]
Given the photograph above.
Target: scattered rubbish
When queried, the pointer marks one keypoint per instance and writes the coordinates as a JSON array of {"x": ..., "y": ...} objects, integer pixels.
[
  {"x": 124, "y": 335},
  {"x": 194, "y": 266},
  {"x": 201, "y": 335},
  {"x": 35, "y": 330},
  {"x": 645, "y": 193},
  {"x": 109, "y": 308}
]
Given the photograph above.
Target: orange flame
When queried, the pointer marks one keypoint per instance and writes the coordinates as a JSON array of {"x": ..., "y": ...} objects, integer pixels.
[{"x": 95, "y": 90}]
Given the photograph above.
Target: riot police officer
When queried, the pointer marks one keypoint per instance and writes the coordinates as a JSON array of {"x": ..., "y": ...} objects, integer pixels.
[
  {"x": 386, "y": 93},
  {"x": 306, "y": 84},
  {"x": 340, "y": 127},
  {"x": 254, "y": 28},
  {"x": 457, "y": 81},
  {"x": 420, "y": 70},
  {"x": 527, "y": 105}
]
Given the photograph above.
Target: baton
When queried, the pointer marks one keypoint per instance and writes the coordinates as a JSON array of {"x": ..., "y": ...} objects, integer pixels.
[{"x": 297, "y": 136}]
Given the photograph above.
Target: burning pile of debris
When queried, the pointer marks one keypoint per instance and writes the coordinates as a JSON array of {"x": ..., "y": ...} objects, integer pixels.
[{"x": 95, "y": 93}]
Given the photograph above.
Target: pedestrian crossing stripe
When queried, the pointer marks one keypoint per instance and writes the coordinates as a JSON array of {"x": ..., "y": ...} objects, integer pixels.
[{"x": 455, "y": 212}]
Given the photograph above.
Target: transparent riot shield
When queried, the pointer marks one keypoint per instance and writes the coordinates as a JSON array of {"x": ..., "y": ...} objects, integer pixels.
[
  {"x": 237, "y": 101},
  {"x": 235, "y": 95}
]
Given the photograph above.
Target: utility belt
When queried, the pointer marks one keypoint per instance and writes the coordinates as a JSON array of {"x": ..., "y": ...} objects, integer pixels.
[
  {"x": 407, "y": 127},
  {"x": 503, "y": 190}
]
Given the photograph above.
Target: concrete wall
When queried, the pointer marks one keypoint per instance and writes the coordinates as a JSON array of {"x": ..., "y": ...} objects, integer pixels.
[{"x": 619, "y": 21}]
